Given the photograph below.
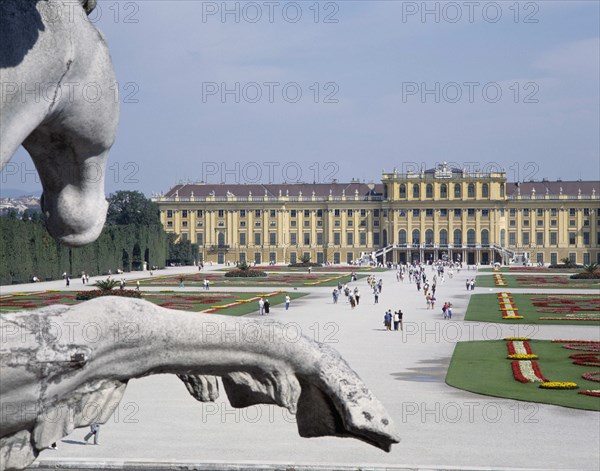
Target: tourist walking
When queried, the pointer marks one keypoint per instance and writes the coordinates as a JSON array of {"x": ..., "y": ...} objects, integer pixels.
[
  {"x": 287, "y": 302},
  {"x": 267, "y": 306},
  {"x": 387, "y": 320},
  {"x": 261, "y": 307},
  {"x": 396, "y": 321},
  {"x": 95, "y": 431}
]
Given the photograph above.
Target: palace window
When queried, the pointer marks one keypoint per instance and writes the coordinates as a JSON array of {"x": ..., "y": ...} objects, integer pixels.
[
  {"x": 485, "y": 237},
  {"x": 403, "y": 191},
  {"x": 553, "y": 238},
  {"x": 553, "y": 212},
  {"x": 242, "y": 213},
  {"x": 572, "y": 212},
  {"x": 319, "y": 238},
  {"x": 471, "y": 190},
  {"x": 429, "y": 236},
  {"x": 402, "y": 236},
  {"x": 416, "y": 191},
  {"x": 443, "y": 212},
  {"x": 512, "y": 238},
  {"x": 199, "y": 213},
  {"x": 485, "y": 213},
  {"x": 220, "y": 213},
  {"x": 306, "y": 213},
  {"x": 184, "y": 213},
  {"x": 257, "y": 238},
  {"x": 525, "y": 212},
  {"x": 443, "y": 191},
  {"x": 242, "y": 238},
  {"x": 416, "y": 213},
  {"x": 272, "y": 238},
  {"x": 429, "y": 213},
  {"x": 525, "y": 238},
  {"x": 470, "y": 212},
  {"x": 376, "y": 213},
  {"x": 293, "y": 213},
  {"x": 471, "y": 236},
  {"x": 444, "y": 237},
  {"x": 349, "y": 212},
  {"x": 586, "y": 238},
  {"x": 336, "y": 213},
  {"x": 272, "y": 213},
  {"x": 416, "y": 236},
  {"x": 319, "y": 213},
  {"x": 457, "y": 212},
  {"x": 485, "y": 190},
  {"x": 375, "y": 238},
  {"x": 293, "y": 238},
  {"x": 350, "y": 223},
  {"x": 336, "y": 238},
  {"x": 429, "y": 191},
  {"x": 363, "y": 238},
  {"x": 540, "y": 212},
  {"x": 572, "y": 238},
  {"x": 539, "y": 238},
  {"x": 257, "y": 213},
  {"x": 199, "y": 238},
  {"x": 363, "y": 213},
  {"x": 349, "y": 238},
  {"x": 457, "y": 190},
  {"x": 169, "y": 213},
  {"x": 457, "y": 237}
]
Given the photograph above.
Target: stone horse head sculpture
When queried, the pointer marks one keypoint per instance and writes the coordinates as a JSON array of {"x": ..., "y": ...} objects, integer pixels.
[
  {"x": 44, "y": 46},
  {"x": 58, "y": 101}
]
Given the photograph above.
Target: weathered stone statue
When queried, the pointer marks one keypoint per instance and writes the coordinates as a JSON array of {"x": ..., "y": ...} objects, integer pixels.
[
  {"x": 58, "y": 100},
  {"x": 49, "y": 368}
]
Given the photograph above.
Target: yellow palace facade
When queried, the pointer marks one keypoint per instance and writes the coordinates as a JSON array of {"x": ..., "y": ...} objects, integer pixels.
[{"x": 441, "y": 213}]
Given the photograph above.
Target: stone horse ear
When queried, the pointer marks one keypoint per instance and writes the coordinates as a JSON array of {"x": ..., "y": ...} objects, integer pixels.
[{"x": 88, "y": 5}]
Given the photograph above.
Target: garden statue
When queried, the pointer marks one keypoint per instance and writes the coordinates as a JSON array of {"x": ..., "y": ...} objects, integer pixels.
[{"x": 49, "y": 368}]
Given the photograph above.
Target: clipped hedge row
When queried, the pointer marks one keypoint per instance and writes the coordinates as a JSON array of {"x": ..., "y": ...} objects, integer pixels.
[{"x": 28, "y": 250}]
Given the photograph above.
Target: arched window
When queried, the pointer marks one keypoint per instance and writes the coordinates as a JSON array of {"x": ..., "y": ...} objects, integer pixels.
[
  {"x": 416, "y": 191},
  {"x": 429, "y": 236},
  {"x": 485, "y": 236},
  {"x": 503, "y": 237},
  {"x": 429, "y": 191},
  {"x": 221, "y": 239},
  {"x": 471, "y": 236},
  {"x": 501, "y": 190},
  {"x": 403, "y": 191},
  {"x": 416, "y": 236},
  {"x": 471, "y": 190},
  {"x": 457, "y": 237},
  {"x": 457, "y": 192},
  {"x": 443, "y": 191},
  {"x": 402, "y": 236},
  {"x": 485, "y": 190},
  {"x": 444, "y": 237},
  {"x": 385, "y": 192}
]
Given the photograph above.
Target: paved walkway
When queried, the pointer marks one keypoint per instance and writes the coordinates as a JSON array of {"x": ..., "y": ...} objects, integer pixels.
[{"x": 441, "y": 427}]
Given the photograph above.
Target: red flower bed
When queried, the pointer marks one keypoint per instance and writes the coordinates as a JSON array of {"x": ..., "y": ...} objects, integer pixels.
[
  {"x": 516, "y": 369},
  {"x": 592, "y": 376},
  {"x": 586, "y": 359},
  {"x": 590, "y": 393}
]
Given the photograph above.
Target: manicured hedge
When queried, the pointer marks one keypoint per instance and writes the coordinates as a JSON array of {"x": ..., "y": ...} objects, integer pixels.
[
  {"x": 27, "y": 250},
  {"x": 124, "y": 293}
]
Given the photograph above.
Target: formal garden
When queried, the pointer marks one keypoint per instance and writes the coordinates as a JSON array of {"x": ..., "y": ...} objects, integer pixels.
[
  {"x": 233, "y": 304},
  {"x": 551, "y": 280},
  {"x": 507, "y": 307},
  {"x": 562, "y": 372}
]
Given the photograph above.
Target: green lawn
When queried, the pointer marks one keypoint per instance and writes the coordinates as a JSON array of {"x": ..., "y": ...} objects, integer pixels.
[
  {"x": 486, "y": 308},
  {"x": 189, "y": 301},
  {"x": 481, "y": 367},
  {"x": 550, "y": 280}
]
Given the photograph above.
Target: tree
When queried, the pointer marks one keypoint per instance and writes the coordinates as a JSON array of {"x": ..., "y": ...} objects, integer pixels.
[{"x": 132, "y": 207}]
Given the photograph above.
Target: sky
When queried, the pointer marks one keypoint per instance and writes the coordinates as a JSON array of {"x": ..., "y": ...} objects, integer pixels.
[{"x": 260, "y": 92}]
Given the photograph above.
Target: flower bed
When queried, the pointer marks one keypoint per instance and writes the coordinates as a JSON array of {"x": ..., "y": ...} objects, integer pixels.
[
  {"x": 558, "y": 385},
  {"x": 590, "y": 392},
  {"x": 527, "y": 371},
  {"x": 507, "y": 306}
]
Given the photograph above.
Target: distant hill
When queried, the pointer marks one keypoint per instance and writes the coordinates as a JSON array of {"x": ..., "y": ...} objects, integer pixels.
[{"x": 16, "y": 193}]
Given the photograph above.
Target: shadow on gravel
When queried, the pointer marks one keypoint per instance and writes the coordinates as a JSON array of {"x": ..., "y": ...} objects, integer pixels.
[{"x": 426, "y": 374}]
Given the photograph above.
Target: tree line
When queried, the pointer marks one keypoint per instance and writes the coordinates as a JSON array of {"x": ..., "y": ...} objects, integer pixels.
[{"x": 133, "y": 237}]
